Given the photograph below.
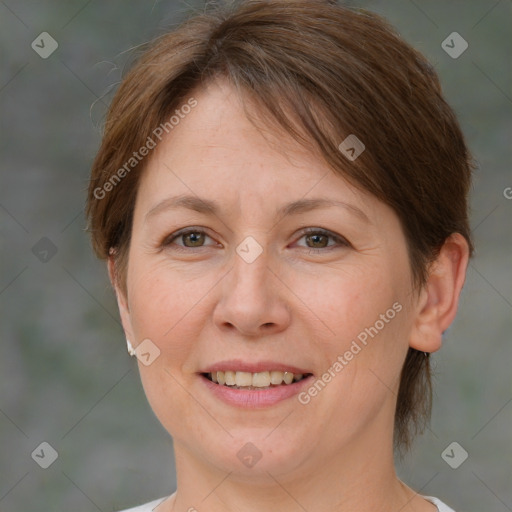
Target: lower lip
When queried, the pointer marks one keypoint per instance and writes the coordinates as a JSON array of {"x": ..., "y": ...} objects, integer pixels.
[{"x": 253, "y": 398}]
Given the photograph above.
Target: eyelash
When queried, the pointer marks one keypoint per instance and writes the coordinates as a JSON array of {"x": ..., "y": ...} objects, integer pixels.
[{"x": 341, "y": 242}]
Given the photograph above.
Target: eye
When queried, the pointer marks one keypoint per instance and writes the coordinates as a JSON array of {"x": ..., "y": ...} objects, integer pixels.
[
  {"x": 190, "y": 237},
  {"x": 319, "y": 240}
]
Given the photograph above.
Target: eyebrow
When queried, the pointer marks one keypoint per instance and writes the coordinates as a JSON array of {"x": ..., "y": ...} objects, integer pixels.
[{"x": 208, "y": 207}]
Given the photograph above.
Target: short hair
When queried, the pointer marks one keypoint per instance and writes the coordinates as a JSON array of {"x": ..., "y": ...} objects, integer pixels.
[{"x": 321, "y": 72}]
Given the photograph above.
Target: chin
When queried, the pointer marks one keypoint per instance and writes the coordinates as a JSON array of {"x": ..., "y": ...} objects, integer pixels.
[{"x": 254, "y": 453}]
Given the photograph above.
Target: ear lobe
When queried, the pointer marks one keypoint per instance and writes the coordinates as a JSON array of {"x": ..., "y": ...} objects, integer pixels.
[
  {"x": 122, "y": 300},
  {"x": 439, "y": 299}
]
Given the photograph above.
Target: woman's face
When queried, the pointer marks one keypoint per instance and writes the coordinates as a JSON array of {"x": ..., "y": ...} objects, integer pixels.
[{"x": 295, "y": 269}]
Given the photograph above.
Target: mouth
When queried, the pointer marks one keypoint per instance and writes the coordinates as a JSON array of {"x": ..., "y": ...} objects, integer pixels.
[
  {"x": 249, "y": 381},
  {"x": 255, "y": 384}
]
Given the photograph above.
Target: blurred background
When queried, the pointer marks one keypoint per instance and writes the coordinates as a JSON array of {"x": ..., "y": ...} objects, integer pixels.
[{"x": 65, "y": 376}]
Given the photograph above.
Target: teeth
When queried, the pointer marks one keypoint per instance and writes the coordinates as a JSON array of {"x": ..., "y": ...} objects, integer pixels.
[
  {"x": 288, "y": 377},
  {"x": 276, "y": 378},
  {"x": 261, "y": 379},
  {"x": 243, "y": 379},
  {"x": 254, "y": 380},
  {"x": 230, "y": 378}
]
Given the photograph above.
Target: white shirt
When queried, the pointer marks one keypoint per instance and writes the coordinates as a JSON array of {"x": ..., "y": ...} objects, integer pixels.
[{"x": 148, "y": 507}]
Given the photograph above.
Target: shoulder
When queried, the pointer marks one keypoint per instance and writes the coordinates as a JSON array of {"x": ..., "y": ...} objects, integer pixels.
[
  {"x": 441, "y": 507},
  {"x": 147, "y": 507}
]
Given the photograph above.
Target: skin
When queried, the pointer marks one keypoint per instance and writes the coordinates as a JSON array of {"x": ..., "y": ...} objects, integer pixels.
[{"x": 206, "y": 304}]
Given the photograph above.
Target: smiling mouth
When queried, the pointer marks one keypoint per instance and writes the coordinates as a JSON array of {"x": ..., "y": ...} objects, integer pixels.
[{"x": 251, "y": 381}]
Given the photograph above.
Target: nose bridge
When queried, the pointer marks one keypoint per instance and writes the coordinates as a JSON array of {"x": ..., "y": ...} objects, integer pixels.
[
  {"x": 250, "y": 298},
  {"x": 251, "y": 276}
]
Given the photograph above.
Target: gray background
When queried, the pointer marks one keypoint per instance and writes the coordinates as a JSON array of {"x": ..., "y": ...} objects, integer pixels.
[{"x": 66, "y": 377}]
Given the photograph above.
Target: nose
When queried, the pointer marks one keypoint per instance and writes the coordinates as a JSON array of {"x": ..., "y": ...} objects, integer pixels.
[{"x": 253, "y": 299}]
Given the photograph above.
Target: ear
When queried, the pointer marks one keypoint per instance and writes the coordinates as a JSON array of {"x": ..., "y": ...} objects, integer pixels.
[
  {"x": 439, "y": 299},
  {"x": 122, "y": 300}
]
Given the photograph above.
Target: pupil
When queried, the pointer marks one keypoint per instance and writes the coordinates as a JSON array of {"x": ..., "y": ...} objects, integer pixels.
[
  {"x": 195, "y": 237},
  {"x": 316, "y": 237}
]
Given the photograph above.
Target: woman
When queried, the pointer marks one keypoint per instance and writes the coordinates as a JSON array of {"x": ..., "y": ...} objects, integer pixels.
[{"x": 281, "y": 195}]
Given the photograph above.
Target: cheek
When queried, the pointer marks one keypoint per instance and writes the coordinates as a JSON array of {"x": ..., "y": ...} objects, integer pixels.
[
  {"x": 353, "y": 301},
  {"x": 166, "y": 309},
  {"x": 163, "y": 303},
  {"x": 367, "y": 325}
]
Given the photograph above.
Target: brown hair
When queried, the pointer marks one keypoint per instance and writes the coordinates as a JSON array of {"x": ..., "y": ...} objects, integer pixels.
[{"x": 322, "y": 72}]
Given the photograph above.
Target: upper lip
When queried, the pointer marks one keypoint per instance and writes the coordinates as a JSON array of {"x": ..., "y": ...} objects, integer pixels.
[{"x": 235, "y": 365}]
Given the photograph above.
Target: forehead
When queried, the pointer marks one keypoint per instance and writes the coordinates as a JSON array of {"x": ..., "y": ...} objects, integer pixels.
[
  {"x": 220, "y": 124},
  {"x": 216, "y": 152},
  {"x": 216, "y": 142}
]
